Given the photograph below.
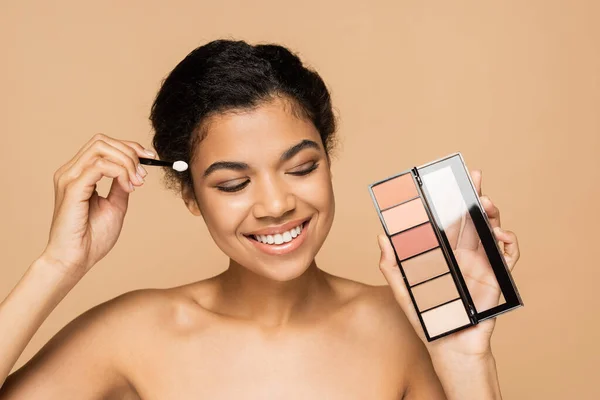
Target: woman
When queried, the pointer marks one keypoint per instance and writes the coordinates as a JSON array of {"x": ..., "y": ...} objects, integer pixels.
[{"x": 257, "y": 129}]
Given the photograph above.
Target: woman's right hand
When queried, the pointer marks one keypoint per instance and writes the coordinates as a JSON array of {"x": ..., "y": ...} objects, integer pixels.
[{"x": 86, "y": 226}]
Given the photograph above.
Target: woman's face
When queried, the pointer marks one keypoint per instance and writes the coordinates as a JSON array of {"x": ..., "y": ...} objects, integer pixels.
[{"x": 263, "y": 186}]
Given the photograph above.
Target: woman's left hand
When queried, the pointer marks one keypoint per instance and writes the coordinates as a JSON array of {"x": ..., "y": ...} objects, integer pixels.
[{"x": 474, "y": 341}]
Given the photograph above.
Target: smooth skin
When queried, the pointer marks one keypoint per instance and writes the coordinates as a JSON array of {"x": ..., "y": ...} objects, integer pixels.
[{"x": 270, "y": 326}]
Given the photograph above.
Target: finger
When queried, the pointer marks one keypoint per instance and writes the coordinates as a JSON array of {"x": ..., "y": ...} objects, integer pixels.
[
  {"x": 102, "y": 149},
  {"x": 469, "y": 238},
  {"x": 117, "y": 196},
  {"x": 453, "y": 232},
  {"x": 510, "y": 243},
  {"x": 85, "y": 147},
  {"x": 125, "y": 145},
  {"x": 127, "y": 155},
  {"x": 393, "y": 275},
  {"x": 135, "y": 151},
  {"x": 476, "y": 178},
  {"x": 82, "y": 188},
  {"x": 493, "y": 213},
  {"x": 140, "y": 150}
]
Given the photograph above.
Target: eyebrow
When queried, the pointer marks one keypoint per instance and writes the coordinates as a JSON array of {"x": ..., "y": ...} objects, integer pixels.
[{"x": 242, "y": 166}]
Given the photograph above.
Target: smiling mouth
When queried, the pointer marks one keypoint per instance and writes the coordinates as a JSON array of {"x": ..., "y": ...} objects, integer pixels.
[{"x": 281, "y": 237}]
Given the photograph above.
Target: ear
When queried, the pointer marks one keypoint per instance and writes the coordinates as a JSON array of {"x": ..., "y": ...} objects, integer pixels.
[{"x": 189, "y": 198}]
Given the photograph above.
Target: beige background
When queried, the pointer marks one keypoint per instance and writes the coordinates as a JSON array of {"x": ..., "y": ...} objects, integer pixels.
[{"x": 514, "y": 85}]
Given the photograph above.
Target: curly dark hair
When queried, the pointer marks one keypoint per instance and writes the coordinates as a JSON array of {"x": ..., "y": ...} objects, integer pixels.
[{"x": 228, "y": 75}]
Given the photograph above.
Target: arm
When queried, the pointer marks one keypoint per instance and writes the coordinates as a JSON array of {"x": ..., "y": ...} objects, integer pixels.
[
  {"x": 84, "y": 229},
  {"x": 464, "y": 378},
  {"x": 459, "y": 379},
  {"x": 80, "y": 362},
  {"x": 26, "y": 307}
]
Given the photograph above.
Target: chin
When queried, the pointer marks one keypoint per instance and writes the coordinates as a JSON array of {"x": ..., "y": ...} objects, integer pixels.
[{"x": 283, "y": 271}]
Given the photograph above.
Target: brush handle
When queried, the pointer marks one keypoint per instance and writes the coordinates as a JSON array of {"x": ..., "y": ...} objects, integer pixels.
[{"x": 151, "y": 161}]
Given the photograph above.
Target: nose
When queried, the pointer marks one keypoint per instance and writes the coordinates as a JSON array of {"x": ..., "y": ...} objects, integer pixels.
[{"x": 273, "y": 199}]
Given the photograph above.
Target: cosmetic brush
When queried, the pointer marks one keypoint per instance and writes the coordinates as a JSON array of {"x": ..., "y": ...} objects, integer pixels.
[{"x": 178, "y": 166}]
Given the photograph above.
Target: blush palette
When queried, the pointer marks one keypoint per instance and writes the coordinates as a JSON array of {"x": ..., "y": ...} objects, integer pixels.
[{"x": 444, "y": 246}]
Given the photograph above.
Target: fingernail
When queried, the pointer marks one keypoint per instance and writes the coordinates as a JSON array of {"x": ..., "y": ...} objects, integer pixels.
[
  {"x": 142, "y": 170},
  {"x": 131, "y": 187},
  {"x": 150, "y": 153},
  {"x": 139, "y": 178}
]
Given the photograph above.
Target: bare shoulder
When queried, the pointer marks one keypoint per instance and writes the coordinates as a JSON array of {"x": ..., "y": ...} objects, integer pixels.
[
  {"x": 170, "y": 311},
  {"x": 91, "y": 356},
  {"x": 374, "y": 311}
]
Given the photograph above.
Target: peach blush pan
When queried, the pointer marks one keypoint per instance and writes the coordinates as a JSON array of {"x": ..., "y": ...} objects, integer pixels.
[{"x": 405, "y": 216}]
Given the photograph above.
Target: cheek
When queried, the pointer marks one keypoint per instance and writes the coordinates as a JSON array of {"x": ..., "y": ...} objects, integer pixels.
[
  {"x": 318, "y": 192},
  {"x": 223, "y": 214}
]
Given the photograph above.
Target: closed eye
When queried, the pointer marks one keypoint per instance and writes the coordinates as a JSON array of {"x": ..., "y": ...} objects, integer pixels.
[
  {"x": 234, "y": 188},
  {"x": 305, "y": 171}
]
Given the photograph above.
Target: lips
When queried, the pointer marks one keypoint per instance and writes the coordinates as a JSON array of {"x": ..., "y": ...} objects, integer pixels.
[
  {"x": 281, "y": 239},
  {"x": 279, "y": 228}
]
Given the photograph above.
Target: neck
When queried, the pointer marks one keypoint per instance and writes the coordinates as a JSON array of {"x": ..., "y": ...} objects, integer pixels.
[{"x": 246, "y": 295}]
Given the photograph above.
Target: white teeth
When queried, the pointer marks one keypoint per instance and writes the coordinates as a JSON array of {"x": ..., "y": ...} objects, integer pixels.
[
  {"x": 287, "y": 237},
  {"x": 279, "y": 238}
]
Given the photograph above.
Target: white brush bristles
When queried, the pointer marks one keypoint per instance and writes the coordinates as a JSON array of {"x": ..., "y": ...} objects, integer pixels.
[{"x": 180, "y": 166}]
